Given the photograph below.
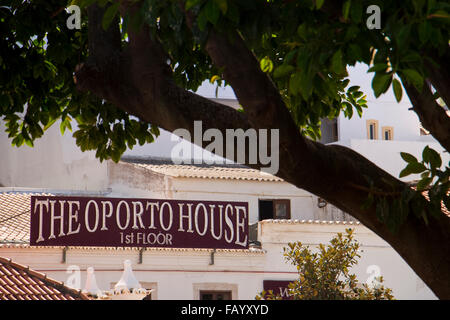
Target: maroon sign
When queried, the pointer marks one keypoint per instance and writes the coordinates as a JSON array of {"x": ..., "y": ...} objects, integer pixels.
[
  {"x": 278, "y": 287},
  {"x": 115, "y": 222}
]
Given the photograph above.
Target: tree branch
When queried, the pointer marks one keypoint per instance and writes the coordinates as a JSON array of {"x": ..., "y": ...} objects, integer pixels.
[
  {"x": 139, "y": 82},
  {"x": 440, "y": 76},
  {"x": 330, "y": 172},
  {"x": 104, "y": 45},
  {"x": 432, "y": 116}
]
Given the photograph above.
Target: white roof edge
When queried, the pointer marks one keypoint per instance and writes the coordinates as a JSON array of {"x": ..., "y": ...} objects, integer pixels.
[
  {"x": 297, "y": 221},
  {"x": 24, "y": 190},
  {"x": 206, "y": 250}
]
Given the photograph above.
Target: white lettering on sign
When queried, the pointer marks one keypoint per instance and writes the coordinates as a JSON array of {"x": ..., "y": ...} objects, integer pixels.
[
  {"x": 86, "y": 216},
  {"x": 137, "y": 222},
  {"x": 73, "y": 217}
]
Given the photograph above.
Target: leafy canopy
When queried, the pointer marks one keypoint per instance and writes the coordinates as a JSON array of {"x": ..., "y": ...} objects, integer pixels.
[{"x": 304, "y": 48}]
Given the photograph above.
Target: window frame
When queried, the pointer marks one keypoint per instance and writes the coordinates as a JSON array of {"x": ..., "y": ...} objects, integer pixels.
[
  {"x": 274, "y": 203},
  {"x": 375, "y": 125},
  {"x": 288, "y": 207},
  {"x": 391, "y": 133},
  {"x": 215, "y": 286},
  {"x": 215, "y": 293}
]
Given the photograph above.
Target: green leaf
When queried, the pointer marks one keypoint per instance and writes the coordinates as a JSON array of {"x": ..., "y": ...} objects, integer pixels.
[
  {"x": 425, "y": 32},
  {"x": 414, "y": 77},
  {"x": 432, "y": 157},
  {"x": 353, "y": 88},
  {"x": 346, "y": 8},
  {"x": 18, "y": 141},
  {"x": 425, "y": 174},
  {"x": 302, "y": 31},
  {"x": 337, "y": 64},
  {"x": 356, "y": 11},
  {"x": 202, "y": 19},
  {"x": 266, "y": 64},
  {"x": 109, "y": 15},
  {"x": 295, "y": 83},
  {"x": 411, "y": 168},
  {"x": 354, "y": 52},
  {"x": 190, "y": 3},
  {"x": 378, "y": 67},
  {"x": 212, "y": 11},
  {"x": 283, "y": 70},
  {"x": 214, "y": 79},
  {"x": 223, "y": 5},
  {"x": 403, "y": 37},
  {"x": 102, "y": 3},
  {"x": 398, "y": 92},
  {"x": 417, "y": 167},
  {"x": 233, "y": 13},
  {"x": 411, "y": 57},
  {"x": 380, "y": 83},
  {"x": 424, "y": 183},
  {"x": 29, "y": 143},
  {"x": 82, "y": 3},
  {"x": 319, "y": 3},
  {"x": 408, "y": 157},
  {"x": 405, "y": 172}
]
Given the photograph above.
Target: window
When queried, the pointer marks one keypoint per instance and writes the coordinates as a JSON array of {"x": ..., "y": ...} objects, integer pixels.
[
  {"x": 215, "y": 291},
  {"x": 372, "y": 129},
  {"x": 215, "y": 295},
  {"x": 388, "y": 133},
  {"x": 329, "y": 129},
  {"x": 274, "y": 209}
]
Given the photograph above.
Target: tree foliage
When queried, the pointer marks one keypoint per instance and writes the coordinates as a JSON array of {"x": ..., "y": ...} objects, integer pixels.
[
  {"x": 51, "y": 73},
  {"x": 304, "y": 51},
  {"x": 38, "y": 55},
  {"x": 325, "y": 274}
]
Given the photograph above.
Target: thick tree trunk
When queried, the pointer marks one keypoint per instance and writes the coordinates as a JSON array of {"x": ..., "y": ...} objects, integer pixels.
[
  {"x": 138, "y": 81},
  {"x": 439, "y": 74},
  {"x": 432, "y": 116}
]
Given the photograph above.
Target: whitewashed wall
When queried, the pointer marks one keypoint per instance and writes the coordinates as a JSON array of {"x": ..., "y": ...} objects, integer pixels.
[
  {"x": 375, "y": 251},
  {"x": 178, "y": 274},
  {"x": 55, "y": 162},
  {"x": 386, "y": 154},
  {"x": 127, "y": 180},
  {"x": 385, "y": 109}
]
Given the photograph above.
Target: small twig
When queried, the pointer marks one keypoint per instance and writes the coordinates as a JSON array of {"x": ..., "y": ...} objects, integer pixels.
[{"x": 54, "y": 14}]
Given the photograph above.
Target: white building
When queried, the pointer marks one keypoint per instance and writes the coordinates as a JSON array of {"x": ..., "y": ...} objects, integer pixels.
[
  {"x": 385, "y": 129},
  {"x": 278, "y": 212}
]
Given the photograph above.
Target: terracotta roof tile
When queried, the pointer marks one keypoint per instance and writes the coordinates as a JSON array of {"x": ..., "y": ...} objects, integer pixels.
[
  {"x": 34, "y": 290},
  {"x": 18, "y": 282},
  {"x": 210, "y": 172},
  {"x": 444, "y": 209},
  {"x": 26, "y": 289},
  {"x": 15, "y": 216}
]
